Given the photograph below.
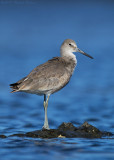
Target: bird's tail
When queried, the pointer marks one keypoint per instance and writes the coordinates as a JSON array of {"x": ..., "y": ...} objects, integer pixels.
[{"x": 14, "y": 87}]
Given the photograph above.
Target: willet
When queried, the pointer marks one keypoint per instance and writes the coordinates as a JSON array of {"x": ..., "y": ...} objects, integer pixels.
[{"x": 51, "y": 76}]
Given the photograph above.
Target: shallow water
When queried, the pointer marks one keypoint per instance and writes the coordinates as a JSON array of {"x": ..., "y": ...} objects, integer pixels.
[{"x": 31, "y": 33}]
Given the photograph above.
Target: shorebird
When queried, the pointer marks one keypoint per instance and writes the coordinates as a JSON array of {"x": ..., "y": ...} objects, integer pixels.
[{"x": 51, "y": 76}]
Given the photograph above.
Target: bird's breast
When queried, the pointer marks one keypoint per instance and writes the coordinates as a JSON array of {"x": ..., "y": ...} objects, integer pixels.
[{"x": 70, "y": 66}]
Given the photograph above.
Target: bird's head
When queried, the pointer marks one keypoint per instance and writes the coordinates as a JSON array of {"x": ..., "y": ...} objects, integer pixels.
[{"x": 69, "y": 46}]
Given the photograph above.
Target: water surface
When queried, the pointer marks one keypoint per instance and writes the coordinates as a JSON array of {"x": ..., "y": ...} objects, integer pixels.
[{"x": 31, "y": 32}]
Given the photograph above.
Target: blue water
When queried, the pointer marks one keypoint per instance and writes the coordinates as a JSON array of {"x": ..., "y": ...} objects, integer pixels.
[{"x": 31, "y": 32}]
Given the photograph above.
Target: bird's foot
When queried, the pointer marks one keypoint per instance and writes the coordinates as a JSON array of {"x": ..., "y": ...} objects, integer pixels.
[{"x": 45, "y": 128}]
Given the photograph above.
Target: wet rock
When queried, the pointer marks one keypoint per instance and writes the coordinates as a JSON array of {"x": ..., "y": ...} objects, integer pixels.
[
  {"x": 93, "y": 131},
  {"x": 67, "y": 127},
  {"x": 68, "y": 130},
  {"x": 90, "y": 131},
  {"x": 52, "y": 133},
  {"x": 17, "y": 135}
]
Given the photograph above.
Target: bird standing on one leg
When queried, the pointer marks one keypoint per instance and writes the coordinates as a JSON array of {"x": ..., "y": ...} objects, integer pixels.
[{"x": 51, "y": 76}]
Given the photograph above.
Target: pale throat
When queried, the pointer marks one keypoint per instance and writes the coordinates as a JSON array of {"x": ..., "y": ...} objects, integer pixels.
[{"x": 69, "y": 55}]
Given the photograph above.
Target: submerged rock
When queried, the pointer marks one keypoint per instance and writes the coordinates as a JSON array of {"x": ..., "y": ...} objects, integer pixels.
[{"x": 2, "y": 136}]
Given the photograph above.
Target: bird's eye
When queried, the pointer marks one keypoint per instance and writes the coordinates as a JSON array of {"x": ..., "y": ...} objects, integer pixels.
[{"x": 69, "y": 44}]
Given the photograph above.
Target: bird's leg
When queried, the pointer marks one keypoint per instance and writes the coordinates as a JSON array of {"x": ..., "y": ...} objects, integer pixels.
[{"x": 46, "y": 126}]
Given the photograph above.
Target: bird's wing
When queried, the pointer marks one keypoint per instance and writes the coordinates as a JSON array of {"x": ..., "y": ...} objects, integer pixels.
[{"x": 46, "y": 76}]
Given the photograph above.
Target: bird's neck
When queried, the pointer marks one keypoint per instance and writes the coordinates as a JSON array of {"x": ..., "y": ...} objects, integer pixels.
[
  {"x": 71, "y": 61},
  {"x": 68, "y": 55}
]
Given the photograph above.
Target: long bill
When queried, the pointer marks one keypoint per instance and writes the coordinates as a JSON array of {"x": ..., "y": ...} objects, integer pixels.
[{"x": 85, "y": 53}]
